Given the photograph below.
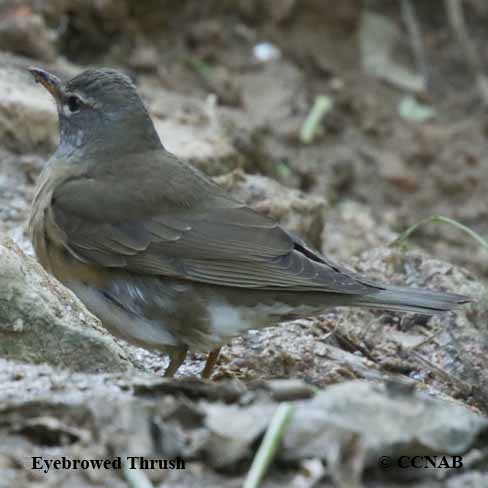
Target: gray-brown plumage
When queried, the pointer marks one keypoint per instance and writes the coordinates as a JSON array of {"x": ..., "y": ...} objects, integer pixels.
[{"x": 162, "y": 255}]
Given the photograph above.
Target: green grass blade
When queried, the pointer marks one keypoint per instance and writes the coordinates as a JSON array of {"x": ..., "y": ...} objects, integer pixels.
[
  {"x": 266, "y": 452},
  {"x": 136, "y": 478},
  {"x": 321, "y": 106},
  {"x": 436, "y": 219}
]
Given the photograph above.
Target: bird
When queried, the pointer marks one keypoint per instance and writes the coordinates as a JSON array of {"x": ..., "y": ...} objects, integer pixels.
[{"x": 162, "y": 255}]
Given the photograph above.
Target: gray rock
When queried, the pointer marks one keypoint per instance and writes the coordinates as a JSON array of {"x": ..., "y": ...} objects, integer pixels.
[
  {"x": 24, "y": 32},
  {"x": 191, "y": 129},
  {"x": 352, "y": 228},
  {"x": 354, "y": 425},
  {"x": 388, "y": 421},
  {"x": 42, "y": 322},
  {"x": 199, "y": 142},
  {"x": 233, "y": 431},
  {"x": 348, "y": 426},
  {"x": 28, "y": 119}
]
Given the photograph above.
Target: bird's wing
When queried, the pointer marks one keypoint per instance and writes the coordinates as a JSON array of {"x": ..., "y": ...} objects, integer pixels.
[{"x": 217, "y": 241}]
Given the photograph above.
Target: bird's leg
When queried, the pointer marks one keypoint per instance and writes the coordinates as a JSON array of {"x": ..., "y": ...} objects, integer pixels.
[
  {"x": 211, "y": 360},
  {"x": 176, "y": 359}
]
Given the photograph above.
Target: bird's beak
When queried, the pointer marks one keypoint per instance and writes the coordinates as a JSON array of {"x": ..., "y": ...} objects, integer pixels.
[{"x": 49, "y": 81}]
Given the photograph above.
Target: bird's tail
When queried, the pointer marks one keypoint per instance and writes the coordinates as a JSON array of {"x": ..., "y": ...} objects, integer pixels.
[{"x": 416, "y": 300}]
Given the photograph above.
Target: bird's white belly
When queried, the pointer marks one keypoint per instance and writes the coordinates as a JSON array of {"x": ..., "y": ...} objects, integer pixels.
[
  {"x": 145, "y": 333},
  {"x": 228, "y": 321}
]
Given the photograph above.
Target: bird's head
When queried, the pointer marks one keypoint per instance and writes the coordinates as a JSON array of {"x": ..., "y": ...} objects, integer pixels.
[{"x": 99, "y": 110}]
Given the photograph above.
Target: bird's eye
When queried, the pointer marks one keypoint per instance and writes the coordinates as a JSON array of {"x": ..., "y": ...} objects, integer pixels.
[{"x": 73, "y": 103}]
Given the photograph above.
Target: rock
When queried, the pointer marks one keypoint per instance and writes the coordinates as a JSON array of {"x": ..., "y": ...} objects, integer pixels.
[
  {"x": 233, "y": 432},
  {"x": 24, "y": 32},
  {"x": 355, "y": 424},
  {"x": 42, "y": 322},
  {"x": 190, "y": 128},
  {"x": 273, "y": 94},
  {"x": 16, "y": 191},
  {"x": 297, "y": 212},
  {"x": 199, "y": 144},
  {"x": 28, "y": 119},
  {"x": 144, "y": 57},
  {"x": 384, "y": 416},
  {"x": 348, "y": 427},
  {"x": 352, "y": 228}
]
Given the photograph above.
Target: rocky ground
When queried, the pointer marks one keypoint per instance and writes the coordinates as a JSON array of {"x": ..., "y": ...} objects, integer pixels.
[{"x": 230, "y": 86}]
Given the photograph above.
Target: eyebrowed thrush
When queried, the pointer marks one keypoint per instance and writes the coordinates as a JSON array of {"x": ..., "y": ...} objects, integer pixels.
[{"x": 162, "y": 255}]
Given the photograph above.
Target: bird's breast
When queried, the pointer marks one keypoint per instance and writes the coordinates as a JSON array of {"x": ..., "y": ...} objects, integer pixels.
[{"x": 46, "y": 236}]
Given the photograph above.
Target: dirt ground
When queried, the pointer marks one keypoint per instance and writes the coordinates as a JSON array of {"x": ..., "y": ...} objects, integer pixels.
[{"x": 369, "y": 173}]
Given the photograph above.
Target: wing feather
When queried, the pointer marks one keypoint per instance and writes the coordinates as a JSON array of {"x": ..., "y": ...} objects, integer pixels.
[{"x": 194, "y": 233}]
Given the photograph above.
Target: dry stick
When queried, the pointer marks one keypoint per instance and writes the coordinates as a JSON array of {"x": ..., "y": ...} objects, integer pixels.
[
  {"x": 413, "y": 28},
  {"x": 268, "y": 447},
  {"x": 428, "y": 339},
  {"x": 464, "y": 387},
  {"x": 456, "y": 19}
]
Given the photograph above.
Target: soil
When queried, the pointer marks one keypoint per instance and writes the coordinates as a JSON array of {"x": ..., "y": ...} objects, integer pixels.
[{"x": 366, "y": 177}]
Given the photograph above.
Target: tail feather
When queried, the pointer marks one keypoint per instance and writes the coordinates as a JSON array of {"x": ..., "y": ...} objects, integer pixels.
[{"x": 397, "y": 298}]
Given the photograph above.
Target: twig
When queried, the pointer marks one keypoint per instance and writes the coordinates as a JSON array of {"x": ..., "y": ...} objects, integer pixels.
[
  {"x": 456, "y": 19},
  {"x": 464, "y": 387},
  {"x": 268, "y": 447},
  {"x": 413, "y": 28},
  {"x": 428, "y": 339}
]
